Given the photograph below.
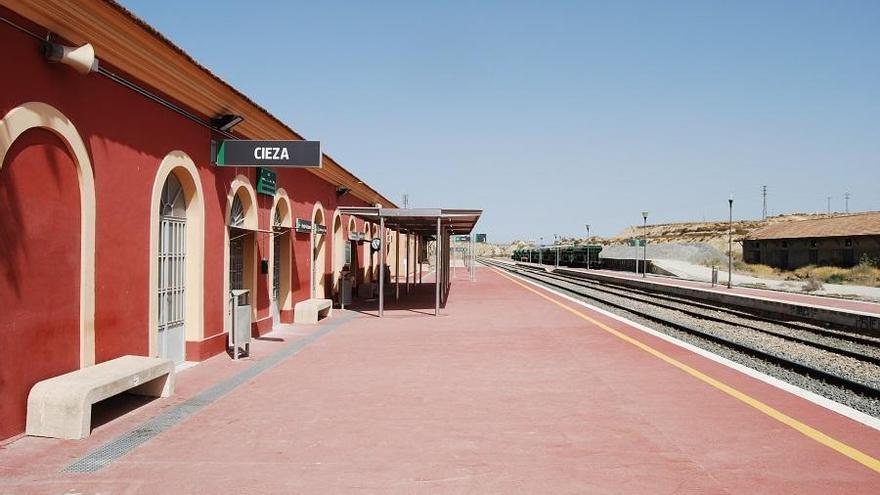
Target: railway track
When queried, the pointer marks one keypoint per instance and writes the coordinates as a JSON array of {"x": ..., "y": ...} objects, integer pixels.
[{"x": 850, "y": 362}]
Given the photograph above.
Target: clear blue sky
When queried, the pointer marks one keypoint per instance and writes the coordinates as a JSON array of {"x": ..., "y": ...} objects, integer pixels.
[{"x": 550, "y": 115}]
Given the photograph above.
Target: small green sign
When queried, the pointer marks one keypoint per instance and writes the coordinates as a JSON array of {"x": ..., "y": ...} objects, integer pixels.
[
  {"x": 303, "y": 226},
  {"x": 267, "y": 181}
]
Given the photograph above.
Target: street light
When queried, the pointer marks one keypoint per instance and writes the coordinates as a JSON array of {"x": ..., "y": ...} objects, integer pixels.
[
  {"x": 588, "y": 245},
  {"x": 730, "y": 242},
  {"x": 645, "y": 244},
  {"x": 556, "y": 241}
]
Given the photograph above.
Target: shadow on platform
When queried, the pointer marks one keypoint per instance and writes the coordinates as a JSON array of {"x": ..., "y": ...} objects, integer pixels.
[{"x": 420, "y": 300}]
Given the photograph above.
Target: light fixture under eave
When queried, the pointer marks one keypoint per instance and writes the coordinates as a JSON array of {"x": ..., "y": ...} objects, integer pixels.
[
  {"x": 226, "y": 121},
  {"x": 81, "y": 58},
  {"x": 342, "y": 191}
]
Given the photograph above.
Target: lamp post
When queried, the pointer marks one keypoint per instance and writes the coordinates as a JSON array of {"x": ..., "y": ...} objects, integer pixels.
[
  {"x": 588, "y": 245},
  {"x": 556, "y": 243},
  {"x": 730, "y": 242},
  {"x": 645, "y": 244}
]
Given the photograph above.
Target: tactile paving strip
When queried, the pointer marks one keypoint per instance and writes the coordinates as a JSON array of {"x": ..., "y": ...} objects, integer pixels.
[{"x": 118, "y": 447}]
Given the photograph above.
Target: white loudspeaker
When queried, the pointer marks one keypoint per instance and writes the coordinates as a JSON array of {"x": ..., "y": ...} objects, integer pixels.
[{"x": 82, "y": 58}]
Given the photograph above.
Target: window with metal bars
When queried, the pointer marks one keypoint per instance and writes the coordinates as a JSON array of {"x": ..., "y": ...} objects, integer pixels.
[{"x": 172, "y": 254}]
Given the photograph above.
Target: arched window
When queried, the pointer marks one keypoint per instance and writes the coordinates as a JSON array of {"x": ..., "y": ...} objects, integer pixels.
[
  {"x": 172, "y": 270},
  {"x": 277, "y": 232},
  {"x": 172, "y": 202},
  {"x": 236, "y": 213}
]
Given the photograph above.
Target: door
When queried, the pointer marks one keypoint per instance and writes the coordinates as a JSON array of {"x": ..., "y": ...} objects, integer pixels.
[
  {"x": 172, "y": 272},
  {"x": 236, "y": 260},
  {"x": 315, "y": 267},
  {"x": 276, "y": 277}
]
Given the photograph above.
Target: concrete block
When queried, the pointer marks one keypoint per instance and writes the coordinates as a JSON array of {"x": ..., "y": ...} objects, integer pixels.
[{"x": 310, "y": 310}]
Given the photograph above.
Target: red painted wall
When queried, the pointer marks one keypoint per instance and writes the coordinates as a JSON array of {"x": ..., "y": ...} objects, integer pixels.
[
  {"x": 126, "y": 136},
  {"x": 39, "y": 270}
]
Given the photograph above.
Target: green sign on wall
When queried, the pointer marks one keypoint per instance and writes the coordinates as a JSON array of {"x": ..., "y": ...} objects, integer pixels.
[
  {"x": 303, "y": 226},
  {"x": 266, "y": 181}
]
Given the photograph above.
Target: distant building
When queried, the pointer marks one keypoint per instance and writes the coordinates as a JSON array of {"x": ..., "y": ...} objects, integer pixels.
[{"x": 838, "y": 241}]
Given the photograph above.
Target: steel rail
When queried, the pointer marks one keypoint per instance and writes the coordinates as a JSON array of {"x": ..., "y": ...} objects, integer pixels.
[{"x": 825, "y": 347}]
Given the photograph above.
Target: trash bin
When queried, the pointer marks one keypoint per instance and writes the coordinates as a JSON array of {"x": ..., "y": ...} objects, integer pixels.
[
  {"x": 240, "y": 337},
  {"x": 714, "y": 276},
  {"x": 345, "y": 283}
]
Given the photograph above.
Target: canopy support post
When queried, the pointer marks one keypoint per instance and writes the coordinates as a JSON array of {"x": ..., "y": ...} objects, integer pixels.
[{"x": 381, "y": 266}]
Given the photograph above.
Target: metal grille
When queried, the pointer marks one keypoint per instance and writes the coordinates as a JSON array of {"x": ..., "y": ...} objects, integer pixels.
[
  {"x": 236, "y": 260},
  {"x": 172, "y": 270},
  {"x": 276, "y": 253},
  {"x": 276, "y": 268},
  {"x": 236, "y": 212}
]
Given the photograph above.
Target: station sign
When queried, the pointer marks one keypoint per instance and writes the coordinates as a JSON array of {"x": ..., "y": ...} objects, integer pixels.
[
  {"x": 461, "y": 238},
  {"x": 356, "y": 236},
  {"x": 303, "y": 226},
  {"x": 260, "y": 153},
  {"x": 481, "y": 238},
  {"x": 266, "y": 181},
  {"x": 320, "y": 229}
]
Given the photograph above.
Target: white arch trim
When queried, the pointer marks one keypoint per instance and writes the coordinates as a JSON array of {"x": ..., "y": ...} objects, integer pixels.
[
  {"x": 282, "y": 197},
  {"x": 32, "y": 115},
  {"x": 337, "y": 251},
  {"x": 250, "y": 210},
  {"x": 239, "y": 183},
  {"x": 183, "y": 166},
  {"x": 282, "y": 200},
  {"x": 317, "y": 286}
]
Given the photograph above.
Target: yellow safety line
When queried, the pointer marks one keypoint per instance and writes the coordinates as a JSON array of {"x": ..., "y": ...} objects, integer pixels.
[{"x": 852, "y": 453}]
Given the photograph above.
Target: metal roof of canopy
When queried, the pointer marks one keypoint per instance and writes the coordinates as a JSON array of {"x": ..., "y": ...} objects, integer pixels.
[{"x": 418, "y": 220}]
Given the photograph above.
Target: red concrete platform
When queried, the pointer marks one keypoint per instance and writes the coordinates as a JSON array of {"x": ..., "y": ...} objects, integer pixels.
[{"x": 510, "y": 390}]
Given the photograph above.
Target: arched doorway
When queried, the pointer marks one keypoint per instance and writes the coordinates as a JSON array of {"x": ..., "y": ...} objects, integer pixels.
[
  {"x": 281, "y": 257},
  {"x": 171, "y": 342},
  {"x": 368, "y": 253},
  {"x": 353, "y": 264},
  {"x": 47, "y": 253},
  {"x": 241, "y": 266},
  {"x": 319, "y": 253},
  {"x": 177, "y": 258},
  {"x": 338, "y": 250}
]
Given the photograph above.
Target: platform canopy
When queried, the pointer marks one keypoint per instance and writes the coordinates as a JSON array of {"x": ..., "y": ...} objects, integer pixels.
[{"x": 422, "y": 221}]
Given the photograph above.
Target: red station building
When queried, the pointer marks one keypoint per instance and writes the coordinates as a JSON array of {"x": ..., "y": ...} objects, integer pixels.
[{"x": 118, "y": 233}]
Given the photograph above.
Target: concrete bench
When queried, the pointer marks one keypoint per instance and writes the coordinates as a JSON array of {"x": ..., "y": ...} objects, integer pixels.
[
  {"x": 61, "y": 407},
  {"x": 310, "y": 310}
]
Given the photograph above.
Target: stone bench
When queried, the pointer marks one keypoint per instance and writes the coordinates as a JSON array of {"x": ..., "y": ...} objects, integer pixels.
[
  {"x": 61, "y": 407},
  {"x": 310, "y": 310}
]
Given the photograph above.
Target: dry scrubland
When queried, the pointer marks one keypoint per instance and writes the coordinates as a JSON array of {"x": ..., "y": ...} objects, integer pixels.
[{"x": 865, "y": 273}]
